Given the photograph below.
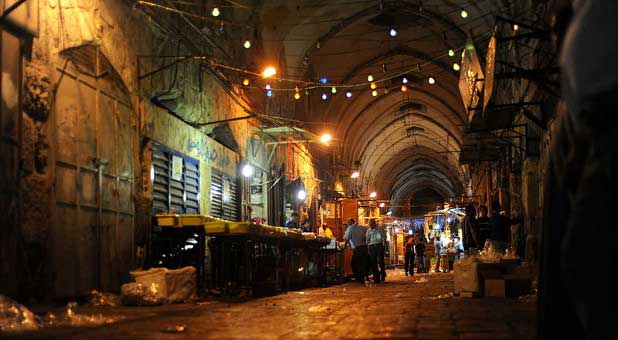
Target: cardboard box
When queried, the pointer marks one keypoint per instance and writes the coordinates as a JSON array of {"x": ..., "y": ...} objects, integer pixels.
[{"x": 507, "y": 286}]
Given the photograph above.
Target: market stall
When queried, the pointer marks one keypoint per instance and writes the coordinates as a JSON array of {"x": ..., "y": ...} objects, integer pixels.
[{"x": 234, "y": 256}]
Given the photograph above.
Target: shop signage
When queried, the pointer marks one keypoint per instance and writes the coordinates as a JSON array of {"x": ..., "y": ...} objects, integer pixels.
[
  {"x": 470, "y": 79},
  {"x": 176, "y": 168}
]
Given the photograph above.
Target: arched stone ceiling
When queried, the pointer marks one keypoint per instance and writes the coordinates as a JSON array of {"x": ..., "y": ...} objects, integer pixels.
[{"x": 402, "y": 151}]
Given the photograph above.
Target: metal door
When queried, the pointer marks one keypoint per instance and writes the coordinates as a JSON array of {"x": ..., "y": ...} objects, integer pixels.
[{"x": 96, "y": 149}]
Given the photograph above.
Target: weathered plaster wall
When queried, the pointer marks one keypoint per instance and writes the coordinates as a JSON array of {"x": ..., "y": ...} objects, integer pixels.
[{"x": 122, "y": 33}]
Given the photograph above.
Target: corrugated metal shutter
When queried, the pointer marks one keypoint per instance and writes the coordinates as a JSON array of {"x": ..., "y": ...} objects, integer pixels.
[
  {"x": 224, "y": 196},
  {"x": 179, "y": 195}
]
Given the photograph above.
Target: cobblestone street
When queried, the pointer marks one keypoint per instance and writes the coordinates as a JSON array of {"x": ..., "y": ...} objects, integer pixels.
[{"x": 402, "y": 308}]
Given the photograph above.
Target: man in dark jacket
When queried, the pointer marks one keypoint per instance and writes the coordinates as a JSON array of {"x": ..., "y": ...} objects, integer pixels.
[{"x": 500, "y": 228}]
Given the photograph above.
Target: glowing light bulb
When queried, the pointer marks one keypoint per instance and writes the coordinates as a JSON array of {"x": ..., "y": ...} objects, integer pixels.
[
  {"x": 456, "y": 67},
  {"x": 382, "y": 205},
  {"x": 431, "y": 80},
  {"x": 323, "y": 80},
  {"x": 333, "y": 90},
  {"x": 269, "y": 72},
  {"x": 348, "y": 94},
  {"x": 245, "y": 82},
  {"x": 247, "y": 44},
  {"x": 324, "y": 96},
  {"x": 302, "y": 195},
  {"x": 451, "y": 53},
  {"x": 370, "y": 78},
  {"x": 392, "y": 32},
  {"x": 404, "y": 80},
  {"x": 247, "y": 170},
  {"x": 373, "y": 86},
  {"x": 516, "y": 27},
  {"x": 297, "y": 95},
  {"x": 373, "y": 194},
  {"x": 325, "y": 138},
  {"x": 269, "y": 93},
  {"x": 463, "y": 13},
  {"x": 355, "y": 174},
  {"x": 374, "y": 93},
  {"x": 215, "y": 12},
  {"x": 267, "y": 87},
  {"x": 404, "y": 88}
]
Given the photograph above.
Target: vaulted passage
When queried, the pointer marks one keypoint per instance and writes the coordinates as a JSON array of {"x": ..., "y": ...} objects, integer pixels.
[{"x": 324, "y": 169}]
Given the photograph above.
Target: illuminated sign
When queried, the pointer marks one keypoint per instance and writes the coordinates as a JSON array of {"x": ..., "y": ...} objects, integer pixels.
[{"x": 470, "y": 79}]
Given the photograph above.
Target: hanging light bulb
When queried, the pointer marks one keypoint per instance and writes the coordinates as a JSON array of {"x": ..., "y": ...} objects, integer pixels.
[
  {"x": 323, "y": 80},
  {"x": 247, "y": 170},
  {"x": 370, "y": 78},
  {"x": 348, "y": 94},
  {"x": 245, "y": 82},
  {"x": 404, "y": 88},
  {"x": 463, "y": 13},
  {"x": 456, "y": 67},
  {"x": 215, "y": 12},
  {"x": 297, "y": 95},
  {"x": 451, "y": 53},
  {"x": 373, "y": 86},
  {"x": 267, "y": 87},
  {"x": 374, "y": 93},
  {"x": 392, "y": 32},
  {"x": 516, "y": 27},
  {"x": 404, "y": 80},
  {"x": 296, "y": 89},
  {"x": 324, "y": 96},
  {"x": 325, "y": 138},
  {"x": 373, "y": 194},
  {"x": 355, "y": 174},
  {"x": 386, "y": 90},
  {"x": 269, "y": 72},
  {"x": 247, "y": 44},
  {"x": 431, "y": 80},
  {"x": 382, "y": 205},
  {"x": 269, "y": 93},
  {"x": 333, "y": 90}
]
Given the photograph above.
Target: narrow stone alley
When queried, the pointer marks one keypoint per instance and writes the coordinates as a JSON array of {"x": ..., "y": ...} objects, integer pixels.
[{"x": 421, "y": 307}]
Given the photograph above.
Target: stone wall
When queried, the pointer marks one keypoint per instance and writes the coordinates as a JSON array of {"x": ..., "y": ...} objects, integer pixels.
[{"x": 121, "y": 33}]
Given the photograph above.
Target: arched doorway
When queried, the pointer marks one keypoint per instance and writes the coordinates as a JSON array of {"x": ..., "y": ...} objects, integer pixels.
[{"x": 96, "y": 155}]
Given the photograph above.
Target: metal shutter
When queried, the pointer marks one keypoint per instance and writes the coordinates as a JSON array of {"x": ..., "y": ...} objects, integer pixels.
[
  {"x": 221, "y": 205},
  {"x": 179, "y": 196}
]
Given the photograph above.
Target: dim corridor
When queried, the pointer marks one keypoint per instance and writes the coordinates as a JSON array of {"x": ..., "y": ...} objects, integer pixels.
[{"x": 403, "y": 308}]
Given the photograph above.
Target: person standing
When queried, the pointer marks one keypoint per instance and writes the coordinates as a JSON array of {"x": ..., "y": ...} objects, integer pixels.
[
  {"x": 438, "y": 247},
  {"x": 375, "y": 241},
  {"x": 419, "y": 249},
  {"x": 470, "y": 231},
  {"x": 355, "y": 236},
  {"x": 500, "y": 228},
  {"x": 409, "y": 255},
  {"x": 484, "y": 226}
]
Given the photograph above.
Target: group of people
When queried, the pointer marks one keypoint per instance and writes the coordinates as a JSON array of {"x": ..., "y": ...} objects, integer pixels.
[
  {"x": 306, "y": 226},
  {"x": 485, "y": 230},
  {"x": 367, "y": 250}
]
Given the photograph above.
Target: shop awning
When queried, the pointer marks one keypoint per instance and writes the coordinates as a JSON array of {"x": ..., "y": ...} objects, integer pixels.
[
  {"x": 481, "y": 147},
  {"x": 282, "y": 132}
]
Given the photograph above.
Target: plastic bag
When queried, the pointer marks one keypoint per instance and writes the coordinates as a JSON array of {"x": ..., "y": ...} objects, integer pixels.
[
  {"x": 135, "y": 294},
  {"x": 104, "y": 299},
  {"x": 16, "y": 317}
]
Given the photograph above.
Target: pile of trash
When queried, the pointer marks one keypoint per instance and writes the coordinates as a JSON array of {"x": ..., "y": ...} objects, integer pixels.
[{"x": 15, "y": 317}]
